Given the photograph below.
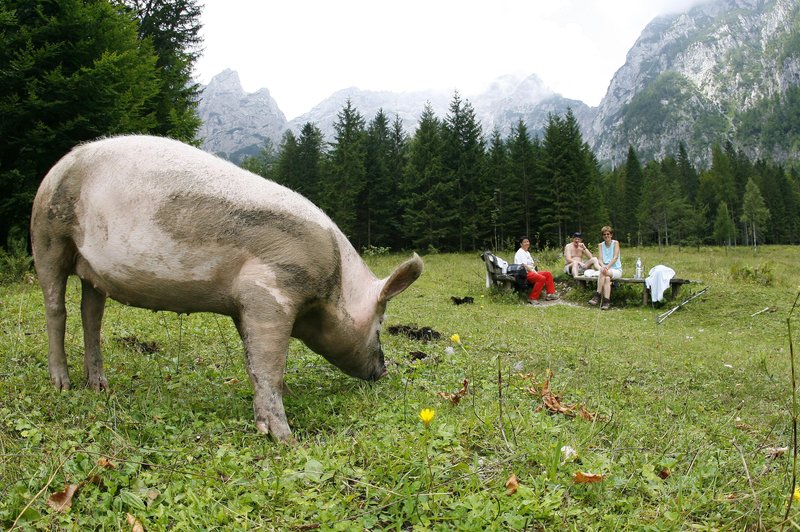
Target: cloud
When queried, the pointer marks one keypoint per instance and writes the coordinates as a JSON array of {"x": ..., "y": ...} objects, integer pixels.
[{"x": 305, "y": 50}]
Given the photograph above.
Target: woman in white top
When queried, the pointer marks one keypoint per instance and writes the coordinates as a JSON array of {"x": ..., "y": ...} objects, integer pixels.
[
  {"x": 539, "y": 280},
  {"x": 610, "y": 268}
]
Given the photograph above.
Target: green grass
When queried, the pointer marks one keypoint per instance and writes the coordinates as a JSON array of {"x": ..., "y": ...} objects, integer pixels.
[{"x": 702, "y": 397}]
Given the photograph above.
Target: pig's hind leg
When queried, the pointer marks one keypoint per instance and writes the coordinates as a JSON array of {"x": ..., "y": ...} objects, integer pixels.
[
  {"x": 52, "y": 259},
  {"x": 93, "y": 305}
]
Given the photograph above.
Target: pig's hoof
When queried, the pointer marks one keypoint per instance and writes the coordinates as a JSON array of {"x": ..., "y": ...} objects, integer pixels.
[
  {"x": 279, "y": 433},
  {"x": 98, "y": 383},
  {"x": 61, "y": 382}
]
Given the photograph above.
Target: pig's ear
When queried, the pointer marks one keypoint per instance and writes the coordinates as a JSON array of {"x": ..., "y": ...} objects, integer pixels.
[{"x": 401, "y": 278}]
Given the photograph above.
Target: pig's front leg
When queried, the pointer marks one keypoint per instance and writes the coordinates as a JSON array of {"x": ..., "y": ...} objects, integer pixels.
[{"x": 266, "y": 342}]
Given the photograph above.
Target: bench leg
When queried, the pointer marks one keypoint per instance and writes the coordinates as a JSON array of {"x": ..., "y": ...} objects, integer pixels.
[
  {"x": 645, "y": 295},
  {"x": 675, "y": 289}
]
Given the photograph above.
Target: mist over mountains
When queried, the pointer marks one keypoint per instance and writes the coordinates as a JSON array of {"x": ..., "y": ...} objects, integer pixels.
[{"x": 691, "y": 77}]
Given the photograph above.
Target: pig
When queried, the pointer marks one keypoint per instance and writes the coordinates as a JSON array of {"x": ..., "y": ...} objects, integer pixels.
[{"x": 158, "y": 224}]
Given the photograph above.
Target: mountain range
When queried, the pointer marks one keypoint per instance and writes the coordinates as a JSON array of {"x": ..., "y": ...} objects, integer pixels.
[{"x": 690, "y": 77}]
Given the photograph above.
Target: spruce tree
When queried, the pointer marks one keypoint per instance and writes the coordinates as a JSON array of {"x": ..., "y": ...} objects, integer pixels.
[
  {"x": 629, "y": 229},
  {"x": 425, "y": 222},
  {"x": 346, "y": 176},
  {"x": 70, "y": 71},
  {"x": 520, "y": 185},
  {"x": 687, "y": 172},
  {"x": 379, "y": 197},
  {"x": 754, "y": 211},
  {"x": 497, "y": 191},
  {"x": 397, "y": 159},
  {"x": 311, "y": 160},
  {"x": 463, "y": 159},
  {"x": 724, "y": 227},
  {"x": 173, "y": 29},
  {"x": 287, "y": 171}
]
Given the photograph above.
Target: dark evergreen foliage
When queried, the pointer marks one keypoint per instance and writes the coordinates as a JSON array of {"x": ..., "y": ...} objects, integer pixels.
[
  {"x": 446, "y": 188},
  {"x": 76, "y": 70}
]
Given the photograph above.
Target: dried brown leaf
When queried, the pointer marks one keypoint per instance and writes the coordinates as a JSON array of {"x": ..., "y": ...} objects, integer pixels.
[
  {"x": 512, "y": 484},
  {"x": 455, "y": 398},
  {"x": 61, "y": 501},
  {"x": 776, "y": 452},
  {"x": 586, "y": 478},
  {"x": 106, "y": 463},
  {"x": 136, "y": 525},
  {"x": 585, "y": 414},
  {"x": 664, "y": 473}
]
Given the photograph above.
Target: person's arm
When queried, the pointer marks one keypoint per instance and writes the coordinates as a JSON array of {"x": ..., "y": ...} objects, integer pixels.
[
  {"x": 616, "y": 253},
  {"x": 600, "y": 256},
  {"x": 586, "y": 251}
]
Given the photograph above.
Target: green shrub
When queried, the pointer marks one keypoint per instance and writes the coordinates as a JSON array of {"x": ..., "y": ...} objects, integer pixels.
[
  {"x": 760, "y": 274},
  {"x": 374, "y": 251},
  {"x": 15, "y": 263}
]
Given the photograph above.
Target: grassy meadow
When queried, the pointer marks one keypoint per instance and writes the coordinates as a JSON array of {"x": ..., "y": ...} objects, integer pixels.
[{"x": 573, "y": 418}]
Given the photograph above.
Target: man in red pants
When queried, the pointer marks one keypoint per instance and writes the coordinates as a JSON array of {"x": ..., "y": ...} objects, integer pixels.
[{"x": 539, "y": 280}]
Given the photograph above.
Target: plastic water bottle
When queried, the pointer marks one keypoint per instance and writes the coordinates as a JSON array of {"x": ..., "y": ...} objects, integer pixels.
[{"x": 638, "y": 274}]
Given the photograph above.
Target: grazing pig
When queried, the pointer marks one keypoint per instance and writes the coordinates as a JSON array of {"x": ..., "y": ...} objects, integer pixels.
[{"x": 158, "y": 224}]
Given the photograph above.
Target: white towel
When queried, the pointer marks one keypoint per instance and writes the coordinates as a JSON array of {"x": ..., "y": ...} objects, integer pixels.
[
  {"x": 658, "y": 281},
  {"x": 503, "y": 265}
]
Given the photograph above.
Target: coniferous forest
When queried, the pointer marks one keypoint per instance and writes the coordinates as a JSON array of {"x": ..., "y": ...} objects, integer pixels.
[
  {"x": 451, "y": 187},
  {"x": 74, "y": 70}
]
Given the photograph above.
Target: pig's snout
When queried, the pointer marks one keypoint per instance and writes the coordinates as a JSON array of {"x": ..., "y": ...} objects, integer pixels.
[{"x": 380, "y": 368}]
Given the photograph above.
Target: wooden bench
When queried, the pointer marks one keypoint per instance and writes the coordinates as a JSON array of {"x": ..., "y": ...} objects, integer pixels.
[
  {"x": 674, "y": 283},
  {"x": 494, "y": 273}
]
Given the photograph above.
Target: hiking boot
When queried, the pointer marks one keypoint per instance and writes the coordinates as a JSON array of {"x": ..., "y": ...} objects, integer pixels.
[
  {"x": 551, "y": 297},
  {"x": 533, "y": 302},
  {"x": 605, "y": 304},
  {"x": 595, "y": 299}
]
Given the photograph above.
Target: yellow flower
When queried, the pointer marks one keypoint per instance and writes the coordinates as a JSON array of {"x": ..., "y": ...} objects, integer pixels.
[
  {"x": 456, "y": 339},
  {"x": 426, "y": 415},
  {"x": 796, "y": 495}
]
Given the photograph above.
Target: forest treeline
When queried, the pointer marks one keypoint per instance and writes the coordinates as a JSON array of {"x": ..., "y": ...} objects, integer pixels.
[
  {"x": 449, "y": 187},
  {"x": 75, "y": 70}
]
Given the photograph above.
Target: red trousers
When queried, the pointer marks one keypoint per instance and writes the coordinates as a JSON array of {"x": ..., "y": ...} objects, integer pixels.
[{"x": 540, "y": 280}]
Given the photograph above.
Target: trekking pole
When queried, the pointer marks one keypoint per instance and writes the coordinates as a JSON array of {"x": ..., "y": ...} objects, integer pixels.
[{"x": 661, "y": 317}]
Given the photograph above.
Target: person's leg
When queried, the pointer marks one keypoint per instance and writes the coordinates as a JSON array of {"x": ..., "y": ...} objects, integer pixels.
[
  {"x": 606, "y": 284},
  {"x": 575, "y": 265},
  {"x": 537, "y": 280},
  {"x": 550, "y": 286}
]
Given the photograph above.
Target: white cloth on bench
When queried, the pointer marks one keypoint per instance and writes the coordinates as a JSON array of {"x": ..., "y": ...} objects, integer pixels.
[{"x": 657, "y": 281}]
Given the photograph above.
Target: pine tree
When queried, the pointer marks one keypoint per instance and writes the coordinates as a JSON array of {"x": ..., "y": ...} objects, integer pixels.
[
  {"x": 425, "y": 222},
  {"x": 520, "y": 185},
  {"x": 396, "y": 163},
  {"x": 263, "y": 163},
  {"x": 496, "y": 190},
  {"x": 724, "y": 227},
  {"x": 173, "y": 29},
  {"x": 346, "y": 176},
  {"x": 632, "y": 198},
  {"x": 70, "y": 71},
  {"x": 379, "y": 197},
  {"x": 311, "y": 159},
  {"x": 463, "y": 159},
  {"x": 287, "y": 171},
  {"x": 572, "y": 197},
  {"x": 688, "y": 174},
  {"x": 754, "y": 212}
]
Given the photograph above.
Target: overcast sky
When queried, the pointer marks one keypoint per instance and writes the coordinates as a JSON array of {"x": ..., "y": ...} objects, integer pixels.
[{"x": 304, "y": 50}]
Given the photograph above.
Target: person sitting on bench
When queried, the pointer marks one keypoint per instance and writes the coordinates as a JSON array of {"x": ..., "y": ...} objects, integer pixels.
[
  {"x": 610, "y": 268},
  {"x": 574, "y": 253},
  {"x": 539, "y": 280}
]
